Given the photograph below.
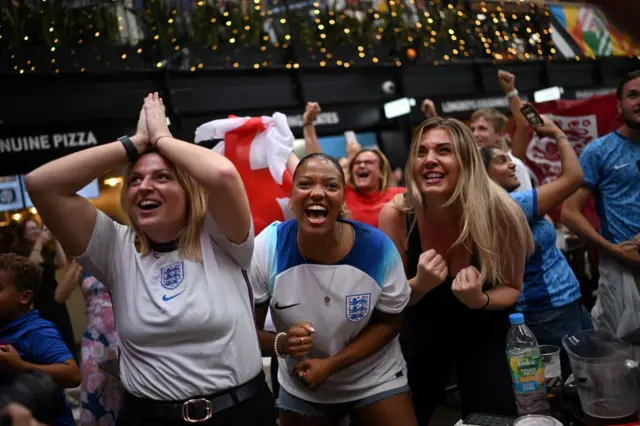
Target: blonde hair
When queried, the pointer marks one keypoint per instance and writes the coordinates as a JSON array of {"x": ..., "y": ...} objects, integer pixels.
[
  {"x": 491, "y": 221},
  {"x": 387, "y": 181},
  {"x": 196, "y": 200},
  {"x": 495, "y": 117}
]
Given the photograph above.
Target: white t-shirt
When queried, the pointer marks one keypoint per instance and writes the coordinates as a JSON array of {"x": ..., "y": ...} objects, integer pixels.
[
  {"x": 371, "y": 276},
  {"x": 186, "y": 328},
  {"x": 522, "y": 172}
]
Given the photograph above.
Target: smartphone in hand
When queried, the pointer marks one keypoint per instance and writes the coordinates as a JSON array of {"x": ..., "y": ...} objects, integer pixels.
[
  {"x": 532, "y": 116},
  {"x": 350, "y": 136}
]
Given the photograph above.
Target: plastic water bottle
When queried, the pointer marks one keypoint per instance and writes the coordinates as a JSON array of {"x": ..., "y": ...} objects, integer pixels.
[{"x": 527, "y": 371}]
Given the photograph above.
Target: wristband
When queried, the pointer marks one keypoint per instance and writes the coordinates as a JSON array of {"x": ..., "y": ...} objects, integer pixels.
[
  {"x": 275, "y": 345},
  {"x": 512, "y": 94},
  {"x": 130, "y": 148},
  {"x": 562, "y": 137}
]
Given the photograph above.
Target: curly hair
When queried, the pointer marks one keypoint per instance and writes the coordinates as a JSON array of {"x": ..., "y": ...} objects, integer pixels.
[{"x": 26, "y": 274}]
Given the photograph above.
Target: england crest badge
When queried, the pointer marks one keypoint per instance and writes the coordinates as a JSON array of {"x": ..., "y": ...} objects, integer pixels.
[
  {"x": 358, "y": 306},
  {"x": 171, "y": 276}
]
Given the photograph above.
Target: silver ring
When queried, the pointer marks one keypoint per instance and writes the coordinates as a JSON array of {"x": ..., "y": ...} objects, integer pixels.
[{"x": 301, "y": 341}]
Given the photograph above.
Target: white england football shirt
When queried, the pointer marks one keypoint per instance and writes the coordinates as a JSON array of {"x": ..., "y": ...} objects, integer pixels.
[
  {"x": 186, "y": 328},
  {"x": 370, "y": 276}
]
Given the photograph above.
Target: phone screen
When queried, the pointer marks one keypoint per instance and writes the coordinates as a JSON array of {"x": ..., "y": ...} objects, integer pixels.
[
  {"x": 532, "y": 116},
  {"x": 350, "y": 136}
]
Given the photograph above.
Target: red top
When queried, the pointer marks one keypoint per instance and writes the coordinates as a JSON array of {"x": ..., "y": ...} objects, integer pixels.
[{"x": 366, "y": 207}]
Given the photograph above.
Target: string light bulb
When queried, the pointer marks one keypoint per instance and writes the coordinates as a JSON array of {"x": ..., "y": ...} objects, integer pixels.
[{"x": 443, "y": 31}]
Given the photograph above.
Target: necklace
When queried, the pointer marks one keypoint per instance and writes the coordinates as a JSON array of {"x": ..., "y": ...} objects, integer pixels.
[{"x": 327, "y": 299}]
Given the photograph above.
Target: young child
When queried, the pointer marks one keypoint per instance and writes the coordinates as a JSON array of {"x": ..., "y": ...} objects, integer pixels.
[{"x": 28, "y": 342}]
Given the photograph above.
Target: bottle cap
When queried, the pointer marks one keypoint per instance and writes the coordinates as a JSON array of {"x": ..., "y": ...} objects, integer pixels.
[{"x": 516, "y": 319}]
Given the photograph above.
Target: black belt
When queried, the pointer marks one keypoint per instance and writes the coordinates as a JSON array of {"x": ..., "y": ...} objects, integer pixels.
[{"x": 200, "y": 409}]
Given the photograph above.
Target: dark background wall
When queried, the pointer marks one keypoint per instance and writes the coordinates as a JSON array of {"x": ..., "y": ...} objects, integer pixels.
[{"x": 107, "y": 105}]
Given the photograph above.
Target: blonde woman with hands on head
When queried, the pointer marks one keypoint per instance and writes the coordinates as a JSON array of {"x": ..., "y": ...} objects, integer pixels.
[
  {"x": 463, "y": 242},
  {"x": 177, "y": 275}
]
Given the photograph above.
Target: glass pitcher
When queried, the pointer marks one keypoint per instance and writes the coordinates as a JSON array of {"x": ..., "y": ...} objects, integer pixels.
[{"x": 605, "y": 375}]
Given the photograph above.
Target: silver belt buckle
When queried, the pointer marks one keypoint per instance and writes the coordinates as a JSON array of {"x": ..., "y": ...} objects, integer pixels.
[{"x": 185, "y": 410}]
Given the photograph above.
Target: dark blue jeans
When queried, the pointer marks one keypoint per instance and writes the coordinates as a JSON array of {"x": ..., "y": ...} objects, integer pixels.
[{"x": 552, "y": 325}]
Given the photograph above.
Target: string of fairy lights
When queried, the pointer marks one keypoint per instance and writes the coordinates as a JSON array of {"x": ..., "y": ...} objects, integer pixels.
[{"x": 254, "y": 34}]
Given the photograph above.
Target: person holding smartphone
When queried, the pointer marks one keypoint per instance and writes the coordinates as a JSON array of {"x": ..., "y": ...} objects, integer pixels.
[{"x": 550, "y": 296}]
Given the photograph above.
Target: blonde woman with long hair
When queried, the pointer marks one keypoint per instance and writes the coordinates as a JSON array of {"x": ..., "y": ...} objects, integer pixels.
[
  {"x": 177, "y": 275},
  {"x": 463, "y": 242}
]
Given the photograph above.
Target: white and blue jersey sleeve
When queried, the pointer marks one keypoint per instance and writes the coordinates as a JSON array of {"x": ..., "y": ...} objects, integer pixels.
[
  {"x": 395, "y": 291},
  {"x": 262, "y": 272}
]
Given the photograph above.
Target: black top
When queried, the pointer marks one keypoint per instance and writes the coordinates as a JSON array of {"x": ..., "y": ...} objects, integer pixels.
[{"x": 440, "y": 315}]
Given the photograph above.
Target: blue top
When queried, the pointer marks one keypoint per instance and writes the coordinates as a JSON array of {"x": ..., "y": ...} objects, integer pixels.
[
  {"x": 611, "y": 166},
  {"x": 38, "y": 342},
  {"x": 549, "y": 281},
  {"x": 516, "y": 319}
]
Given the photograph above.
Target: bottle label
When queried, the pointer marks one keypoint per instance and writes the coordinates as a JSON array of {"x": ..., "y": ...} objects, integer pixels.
[{"x": 527, "y": 373}]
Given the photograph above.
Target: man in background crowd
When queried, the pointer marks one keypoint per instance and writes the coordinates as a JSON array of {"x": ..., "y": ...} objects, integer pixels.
[{"x": 611, "y": 166}]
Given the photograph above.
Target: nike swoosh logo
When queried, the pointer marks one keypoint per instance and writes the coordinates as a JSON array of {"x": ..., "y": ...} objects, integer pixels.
[
  {"x": 278, "y": 307},
  {"x": 620, "y": 166},
  {"x": 167, "y": 298}
]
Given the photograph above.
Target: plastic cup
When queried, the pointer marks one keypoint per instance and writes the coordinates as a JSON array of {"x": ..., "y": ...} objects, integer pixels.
[
  {"x": 536, "y": 420},
  {"x": 552, "y": 367}
]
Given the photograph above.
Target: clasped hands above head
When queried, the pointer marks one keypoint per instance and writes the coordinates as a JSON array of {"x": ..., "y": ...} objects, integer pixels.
[{"x": 152, "y": 124}]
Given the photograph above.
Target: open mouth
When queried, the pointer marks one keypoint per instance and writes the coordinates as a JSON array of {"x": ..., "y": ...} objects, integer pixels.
[
  {"x": 316, "y": 213},
  {"x": 363, "y": 174},
  {"x": 433, "y": 178},
  {"x": 148, "y": 205},
  {"x": 512, "y": 174}
]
